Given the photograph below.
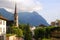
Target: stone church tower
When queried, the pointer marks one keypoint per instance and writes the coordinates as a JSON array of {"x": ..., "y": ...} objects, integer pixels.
[{"x": 15, "y": 17}]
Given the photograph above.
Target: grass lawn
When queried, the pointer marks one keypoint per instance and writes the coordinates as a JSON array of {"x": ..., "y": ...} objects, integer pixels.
[{"x": 46, "y": 39}]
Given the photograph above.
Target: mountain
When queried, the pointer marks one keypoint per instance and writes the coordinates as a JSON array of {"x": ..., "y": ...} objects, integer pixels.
[
  {"x": 33, "y": 18},
  {"x": 6, "y": 14}
]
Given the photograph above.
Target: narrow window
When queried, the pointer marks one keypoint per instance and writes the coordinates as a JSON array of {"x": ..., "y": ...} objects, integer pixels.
[
  {"x": 0, "y": 22},
  {"x": 3, "y": 29},
  {"x": 0, "y": 29},
  {"x": 3, "y": 22}
]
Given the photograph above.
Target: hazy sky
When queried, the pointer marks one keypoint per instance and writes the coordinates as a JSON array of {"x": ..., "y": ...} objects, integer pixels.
[{"x": 49, "y": 9}]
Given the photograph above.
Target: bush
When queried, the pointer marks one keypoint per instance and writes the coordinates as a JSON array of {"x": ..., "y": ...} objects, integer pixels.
[
  {"x": 19, "y": 33},
  {"x": 15, "y": 30},
  {"x": 7, "y": 35}
]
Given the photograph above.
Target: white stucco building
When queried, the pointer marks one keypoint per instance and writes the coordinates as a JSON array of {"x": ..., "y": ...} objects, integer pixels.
[
  {"x": 2, "y": 28},
  {"x": 32, "y": 29}
]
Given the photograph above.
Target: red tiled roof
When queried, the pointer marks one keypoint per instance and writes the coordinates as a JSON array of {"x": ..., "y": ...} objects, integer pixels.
[{"x": 2, "y": 18}]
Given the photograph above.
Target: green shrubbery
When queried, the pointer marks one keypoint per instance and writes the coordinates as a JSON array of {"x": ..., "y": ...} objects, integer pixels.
[
  {"x": 7, "y": 35},
  {"x": 24, "y": 31},
  {"x": 39, "y": 33},
  {"x": 21, "y": 31},
  {"x": 15, "y": 30},
  {"x": 43, "y": 32}
]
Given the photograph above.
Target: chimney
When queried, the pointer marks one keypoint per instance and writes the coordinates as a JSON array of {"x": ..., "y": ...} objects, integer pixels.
[{"x": 15, "y": 16}]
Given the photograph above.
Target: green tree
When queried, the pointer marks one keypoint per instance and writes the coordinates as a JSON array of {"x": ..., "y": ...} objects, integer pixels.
[
  {"x": 23, "y": 27},
  {"x": 26, "y": 31},
  {"x": 28, "y": 34},
  {"x": 39, "y": 33}
]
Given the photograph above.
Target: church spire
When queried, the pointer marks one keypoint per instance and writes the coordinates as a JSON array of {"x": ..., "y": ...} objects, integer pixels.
[{"x": 15, "y": 16}]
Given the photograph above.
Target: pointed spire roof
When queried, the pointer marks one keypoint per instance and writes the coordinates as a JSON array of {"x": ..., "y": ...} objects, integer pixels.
[
  {"x": 15, "y": 8},
  {"x": 16, "y": 16}
]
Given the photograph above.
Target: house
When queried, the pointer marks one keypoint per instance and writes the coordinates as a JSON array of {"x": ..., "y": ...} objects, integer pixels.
[
  {"x": 55, "y": 23},
  {"x": 2, "y": 27},
  {"x": 32, "y": 28}
]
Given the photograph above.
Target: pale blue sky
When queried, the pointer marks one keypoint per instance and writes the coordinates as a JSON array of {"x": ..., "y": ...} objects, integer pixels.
[{"x": 49, "y": 9}]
